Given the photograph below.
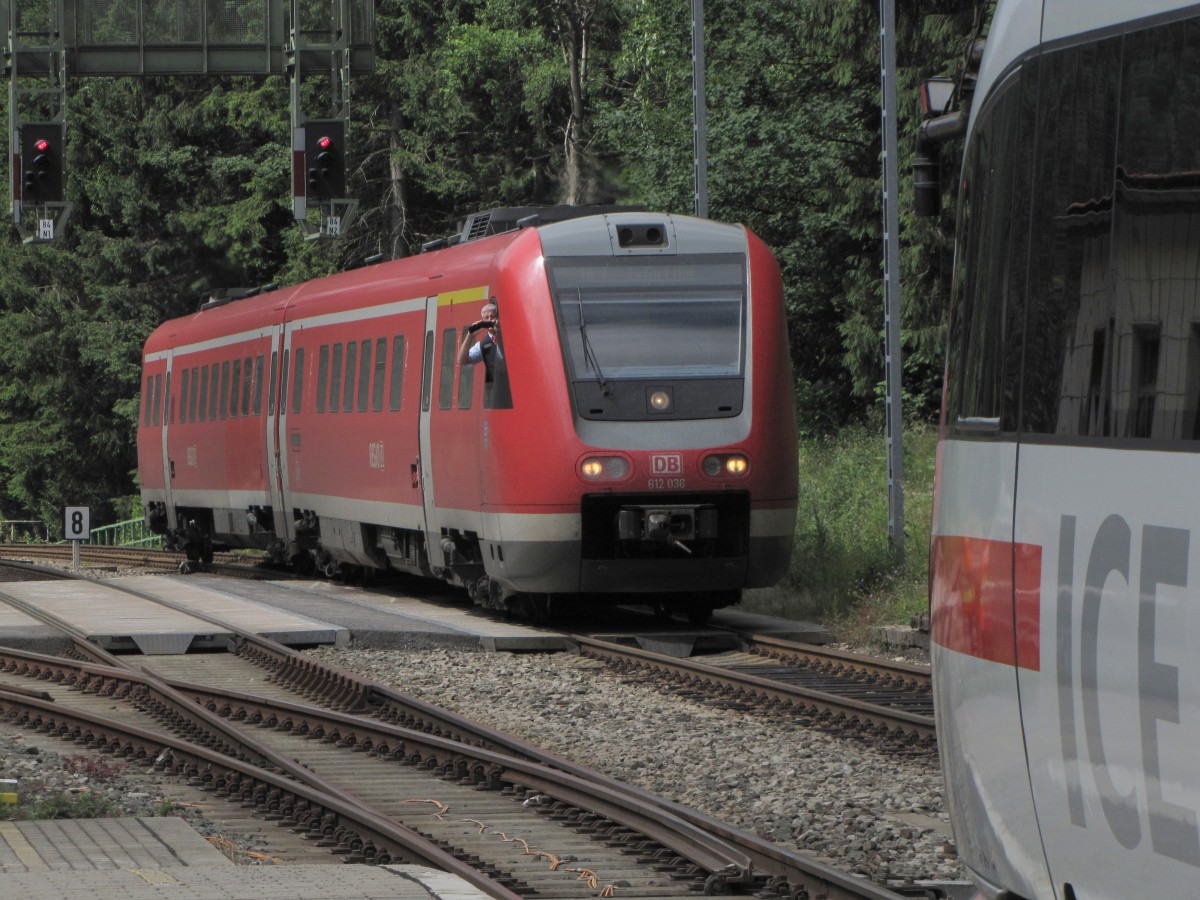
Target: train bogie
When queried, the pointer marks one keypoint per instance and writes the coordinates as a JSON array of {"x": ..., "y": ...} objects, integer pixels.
[{"x": 629, "y": 429}]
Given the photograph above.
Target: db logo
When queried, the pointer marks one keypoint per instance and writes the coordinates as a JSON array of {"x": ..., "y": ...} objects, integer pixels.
[{"x": 666, "y": 463}]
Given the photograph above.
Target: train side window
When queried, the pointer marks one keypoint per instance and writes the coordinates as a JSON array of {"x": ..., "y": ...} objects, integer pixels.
[
  {"x": 157, "y": 401},
  {"x": 169, "y": 410},
  {"x": 322, "y": 376},
  {"x": 184, "y": 384},
  {"x": 234, "y": 386},
  {"x": 364, "y": 375},
  {"x": 274, "y": 386},
  {"x": 283, "y": 382},
  {"x": 1072, "y": 340},
  {"x": 335, "y": 378},
  {"x": 202, "y": 406},
  {"x": 466, "y": 383},
  {"x": 247, "y": 381},
  {"x": 427, "y": 373},
  {"x": 147, "y": 399},
  {"x": 298, "y": 380},
  {"x": 259, "y": 362},
  {"x": 446, "y": 376},
  {"x": 395, "y": 391},
  {"x": 191, "y": 413},
  {"x": 214, "y": 381},
  {"x": 351, "y": 369},
  {"x": 380, "y": 374},
  {"x": 987, "y": 311},
  {"x": 223, "y": 408}
]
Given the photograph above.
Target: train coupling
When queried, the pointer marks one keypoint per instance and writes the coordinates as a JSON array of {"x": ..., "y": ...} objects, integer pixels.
[{"x": 667, "y": 524}]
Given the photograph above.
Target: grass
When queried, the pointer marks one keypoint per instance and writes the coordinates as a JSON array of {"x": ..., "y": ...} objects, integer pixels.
[{"x": 844, "y": 571}]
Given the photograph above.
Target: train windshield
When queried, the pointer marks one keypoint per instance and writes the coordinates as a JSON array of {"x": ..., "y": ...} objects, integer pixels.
[{"x": 652, "y": 317}]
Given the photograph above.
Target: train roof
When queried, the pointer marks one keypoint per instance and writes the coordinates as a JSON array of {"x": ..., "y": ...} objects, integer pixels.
[{"x": 1019, "y": 26}]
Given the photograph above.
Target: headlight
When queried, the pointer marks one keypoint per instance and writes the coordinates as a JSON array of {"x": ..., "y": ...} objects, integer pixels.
[
  {"x": 604, "y": 468},
  {"x": 728, "y": 465},
  {"x": 659, "y": 400}
]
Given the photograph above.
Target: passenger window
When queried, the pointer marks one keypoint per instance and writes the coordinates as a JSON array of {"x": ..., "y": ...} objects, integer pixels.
[
  {"x": 191, "y": 413},
  {"x": 274, "y": 385},
  {"x": 446, "y": 381},
  {"x": 147, "y": 399},
  {"x": 380, "y": 372},
  {"x": 298, "y": 385},
  {"x": 214, "y": 391},
  {"x": 203, "y": 405},
  {"x": 351, "y": 368},
  {"x": 466, "y": 381},
  {"x": 184, "y": 383},
  {"x": 427, "y": 373},
  {"x": 224, "y": 408},
  {"x": 157, "y": 399},
  {"x": 247, "y": 379},
  {"x": 322, "y": 376},
  {"x": 364, "y": 375},
  {"x": 1069, "y": 353},
  {"x": 984, "y": 359},
  {"x": 283, "y": 382},
  {"x": 258, "y": 384},
  {"x": 234, "y": 385},
  {"x": 395, "y": 392},
  {"x": 335, "y": 379}
]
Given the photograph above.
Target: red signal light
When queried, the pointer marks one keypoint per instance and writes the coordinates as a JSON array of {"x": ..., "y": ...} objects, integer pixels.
[
  {"x": 325, "y": 143},
  {"x": 42, "y": 146}
]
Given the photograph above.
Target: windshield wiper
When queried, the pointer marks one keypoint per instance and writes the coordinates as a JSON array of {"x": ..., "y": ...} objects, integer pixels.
[{"x": 589, "y": 355}]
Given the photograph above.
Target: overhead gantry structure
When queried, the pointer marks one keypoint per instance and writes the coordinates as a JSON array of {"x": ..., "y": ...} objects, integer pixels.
[{"x": 48, "y": 42}]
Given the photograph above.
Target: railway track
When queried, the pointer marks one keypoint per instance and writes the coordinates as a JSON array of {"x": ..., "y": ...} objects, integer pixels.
[
  {"x": 233, "y": 564},
  {"x": 380, "y": 776},
  {"x": 889, "y": 702}
]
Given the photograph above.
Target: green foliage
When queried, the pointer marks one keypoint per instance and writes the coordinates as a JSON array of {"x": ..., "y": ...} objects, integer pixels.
[
  {"x": 67, "y": 805},
  {"x": 183, "y": 186},
  {"x": 844, "y": 568}
]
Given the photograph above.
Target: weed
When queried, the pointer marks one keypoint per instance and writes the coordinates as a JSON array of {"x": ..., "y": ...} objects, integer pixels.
[{"x": 95, "y": 768}]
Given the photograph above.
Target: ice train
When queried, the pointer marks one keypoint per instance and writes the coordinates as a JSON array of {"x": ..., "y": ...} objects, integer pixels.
[{"x": 1065, "y": 587}]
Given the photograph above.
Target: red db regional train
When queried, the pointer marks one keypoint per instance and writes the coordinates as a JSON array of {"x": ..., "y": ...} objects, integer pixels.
[
  {"x": 628, "y": 434},
  {"x": 1065, "y": 585}
]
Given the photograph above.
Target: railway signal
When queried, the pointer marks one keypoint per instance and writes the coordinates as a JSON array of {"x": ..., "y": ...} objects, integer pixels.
[
  {"x": 42, "y": 163},
  {"x": 325, "y": 159}
]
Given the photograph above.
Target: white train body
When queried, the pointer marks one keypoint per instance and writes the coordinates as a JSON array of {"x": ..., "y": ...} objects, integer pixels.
[{"x": 1065, "y": 584}]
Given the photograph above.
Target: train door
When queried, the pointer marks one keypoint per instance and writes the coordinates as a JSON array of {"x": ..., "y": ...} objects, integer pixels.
[
  {"x": 168, "y": 460},
  {"x": 275, "y": 449},
  {"x": 426, "y": 464}
]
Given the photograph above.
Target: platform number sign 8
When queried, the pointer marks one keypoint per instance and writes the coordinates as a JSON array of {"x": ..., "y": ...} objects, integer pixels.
[{"x": 77, "y": 526}]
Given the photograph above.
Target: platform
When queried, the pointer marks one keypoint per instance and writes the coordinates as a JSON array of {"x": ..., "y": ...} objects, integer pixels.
[
  {"x": 116, "y": 620},
  {"x": 144, "y": 858}
]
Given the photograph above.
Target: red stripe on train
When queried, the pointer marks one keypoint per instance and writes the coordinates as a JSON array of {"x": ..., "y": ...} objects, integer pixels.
[{"x": 972, "y": 599}]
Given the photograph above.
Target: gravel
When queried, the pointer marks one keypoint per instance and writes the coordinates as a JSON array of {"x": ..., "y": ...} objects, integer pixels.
[
  {"x": 862, "y": 810},
  {"x": 86, "y": 784}
]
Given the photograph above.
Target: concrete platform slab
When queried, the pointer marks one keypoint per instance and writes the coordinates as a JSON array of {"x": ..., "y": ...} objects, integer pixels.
[
  {"x": 243, "y": 883},
  {"x": 46, "y": 845},
  {"x": 409, "y": 612},
  {"x": 214, "y": 599},
  {"x": 116, "y": 620}
]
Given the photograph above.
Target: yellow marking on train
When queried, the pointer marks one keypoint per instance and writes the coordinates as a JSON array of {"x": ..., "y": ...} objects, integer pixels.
[{"x": 466, "y": 295}]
